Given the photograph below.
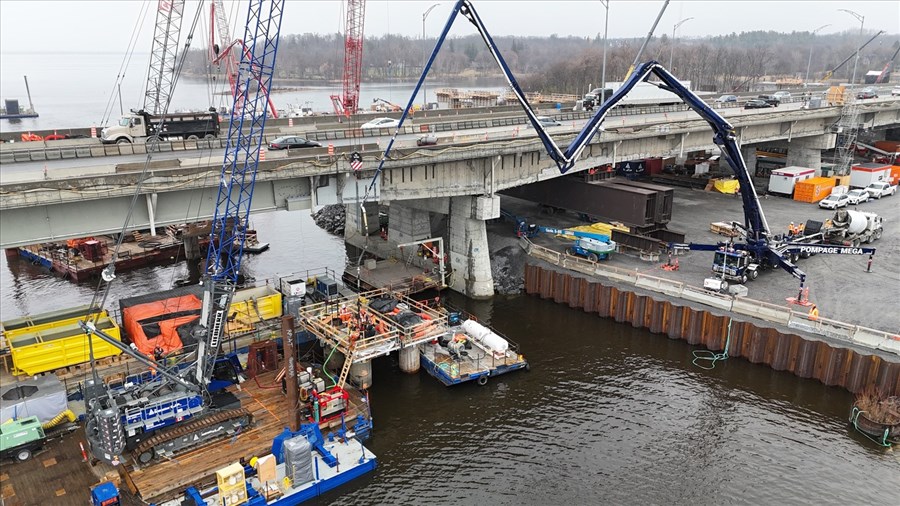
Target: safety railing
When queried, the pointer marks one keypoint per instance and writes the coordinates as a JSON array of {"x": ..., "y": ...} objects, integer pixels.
[{"x": 855, "y": 334}]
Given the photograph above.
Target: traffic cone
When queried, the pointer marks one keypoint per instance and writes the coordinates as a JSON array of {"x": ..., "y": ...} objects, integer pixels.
[
  {"x": 84, "y": 456},
  {"x": 262, "y": 155},
  {"x": 93, "y": 132}
]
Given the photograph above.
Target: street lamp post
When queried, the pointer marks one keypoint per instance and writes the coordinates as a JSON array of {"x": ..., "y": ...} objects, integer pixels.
[
  {"x": 862, "y": 20},
  {"x": 424, "y": 48},
  {"x": 809, "y": 63},
  {"x": 672, "y": 44},
  {"x": 605, "y": 4}
]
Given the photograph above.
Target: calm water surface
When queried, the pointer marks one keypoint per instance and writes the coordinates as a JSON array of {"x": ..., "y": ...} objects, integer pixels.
[{"x": 608, "y": 414}]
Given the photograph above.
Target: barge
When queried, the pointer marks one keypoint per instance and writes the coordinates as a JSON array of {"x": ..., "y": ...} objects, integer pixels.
[
  {"x": 301, "y": 466},
  {"x": 469, "y": 351}
]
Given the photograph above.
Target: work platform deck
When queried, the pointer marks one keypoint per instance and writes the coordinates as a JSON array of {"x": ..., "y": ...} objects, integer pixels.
[
  {"x": 352, "y": 324},
  {"x": 263, "y": 397},
  {"x": 392, "y": 275}
]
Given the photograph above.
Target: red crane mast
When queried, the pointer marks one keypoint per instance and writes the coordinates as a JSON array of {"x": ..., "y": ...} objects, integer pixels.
[{"x": 348, "y": 102}]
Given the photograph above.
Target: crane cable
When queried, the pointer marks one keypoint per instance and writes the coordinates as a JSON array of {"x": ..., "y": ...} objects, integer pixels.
[
  {"x": 108, "y": 274},
  {"x": 126, "y": 61}
]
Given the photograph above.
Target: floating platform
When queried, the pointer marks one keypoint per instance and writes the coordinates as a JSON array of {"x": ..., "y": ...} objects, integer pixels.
[
  {"x": 263, "y": 397},
  {"x": 458, "y": 357},
  {"x": 94, "y": 255},
  {"x": 306, "y": 465}
]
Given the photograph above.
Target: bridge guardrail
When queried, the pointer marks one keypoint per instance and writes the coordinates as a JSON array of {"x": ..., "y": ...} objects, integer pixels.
[{"x": 856, "y": 334}]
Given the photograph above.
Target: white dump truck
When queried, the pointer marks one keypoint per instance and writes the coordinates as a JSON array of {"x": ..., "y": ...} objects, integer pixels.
[{"x": 140, "y": 125}]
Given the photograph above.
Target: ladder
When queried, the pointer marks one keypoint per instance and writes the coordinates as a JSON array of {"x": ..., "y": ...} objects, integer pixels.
[
  {"x": 847, "y": 130},
  {"x": 345, "y": 371}
]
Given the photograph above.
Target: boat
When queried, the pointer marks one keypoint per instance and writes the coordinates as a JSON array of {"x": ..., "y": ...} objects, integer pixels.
[
  {"x": 302, "y": 465},
  {"x": 11, "y": 109},
  {"x": 877, "y": 417},
  {"x": 469, "y": 351}
]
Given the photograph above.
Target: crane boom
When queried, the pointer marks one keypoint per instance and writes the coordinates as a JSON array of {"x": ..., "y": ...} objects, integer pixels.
[
  {"x": 880, "y": 79},
  {"x": 162, "y": 55},
  {"x": 225, "y": 50},
  {"x": 839, "y": 65},
  {"x": 348, "y": 102}
]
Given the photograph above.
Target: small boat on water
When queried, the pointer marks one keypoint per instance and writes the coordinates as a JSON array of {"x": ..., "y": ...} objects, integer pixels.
[
  {"x": 11, "y": 109},
  {"x": 877, "y": 417}
]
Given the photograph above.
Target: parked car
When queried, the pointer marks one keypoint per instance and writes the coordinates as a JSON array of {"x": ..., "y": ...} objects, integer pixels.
[
  {"x": 858, "y": 196},
  {"x": 427, "y": 140},
  {"x": 895, "y": 91},
  {"x": 782, "y": 96},
  {"x": 880, "y": 189},
  {"x": 755, "y": 103},
  {"x": 835, "y": 201},
  {"x": 867, "y": 93},
  {"x": 726, "y": 98},
  {"x": 547, "y": 121},
  {"x": 290, "y": 142},
  {"x": 380, "y": 123}
]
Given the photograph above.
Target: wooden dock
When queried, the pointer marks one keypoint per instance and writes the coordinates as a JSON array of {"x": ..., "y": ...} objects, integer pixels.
[{"x": 167, "y": 479}]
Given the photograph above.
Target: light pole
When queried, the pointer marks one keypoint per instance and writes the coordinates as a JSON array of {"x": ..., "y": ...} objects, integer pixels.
[
  {"x": 862, "y": 20},
  {"x": 809, "y": 63},
  {"x": 672, "y": 44},
  {"x": 425, "y": 81},
  {"x": 605, "y": 4}
]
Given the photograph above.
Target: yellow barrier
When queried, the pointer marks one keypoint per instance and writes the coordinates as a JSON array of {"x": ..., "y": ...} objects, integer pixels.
[{"x": 58, "y": 344}]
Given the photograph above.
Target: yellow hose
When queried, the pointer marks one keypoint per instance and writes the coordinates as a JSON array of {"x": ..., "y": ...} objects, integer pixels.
[{"x": 59, "y": 418}]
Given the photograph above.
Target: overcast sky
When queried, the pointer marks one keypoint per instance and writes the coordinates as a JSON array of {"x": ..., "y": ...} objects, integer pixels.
[{"x": 76, "y": 25}]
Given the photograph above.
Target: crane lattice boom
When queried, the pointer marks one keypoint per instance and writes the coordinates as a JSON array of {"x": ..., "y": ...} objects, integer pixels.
[{"x": 162, "y": 56}]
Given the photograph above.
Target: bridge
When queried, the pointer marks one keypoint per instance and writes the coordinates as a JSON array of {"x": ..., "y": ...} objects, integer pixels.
[{"x": 459, "y": 178}]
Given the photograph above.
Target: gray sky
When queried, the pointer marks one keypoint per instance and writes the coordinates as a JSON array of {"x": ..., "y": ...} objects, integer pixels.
[{"x": 77, "y": 25}]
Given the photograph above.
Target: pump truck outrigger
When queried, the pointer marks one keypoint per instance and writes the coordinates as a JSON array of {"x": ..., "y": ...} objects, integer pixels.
[{"x": 759, "y": 244}]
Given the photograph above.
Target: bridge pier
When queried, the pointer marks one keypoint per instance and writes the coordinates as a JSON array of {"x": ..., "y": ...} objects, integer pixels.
[
  {"x": 361, "y": 373},
  {"x": 749, "y": 154},
  {"x": 469, "y": 253},
  {"x": 409, "y": 359},
  {"x": 807, "y": 151}
]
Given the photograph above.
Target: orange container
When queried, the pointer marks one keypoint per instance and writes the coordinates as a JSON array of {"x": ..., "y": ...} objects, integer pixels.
[
  {"x": 895, "y": 174},
  {"x": 813, "y": 189}
]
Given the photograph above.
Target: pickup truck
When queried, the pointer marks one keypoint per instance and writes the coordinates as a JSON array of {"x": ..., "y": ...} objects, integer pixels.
[
  {"x": 770, "y": 99},
  {"x": 880, "y": 189}
]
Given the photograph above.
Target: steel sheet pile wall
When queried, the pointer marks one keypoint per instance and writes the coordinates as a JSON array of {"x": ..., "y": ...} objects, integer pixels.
[{"x": 782, "y": 352}]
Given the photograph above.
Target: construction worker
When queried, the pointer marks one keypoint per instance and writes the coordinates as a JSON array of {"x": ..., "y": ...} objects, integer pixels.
[
  {"x": 814, "y": 313},
  {"x": 791, "y": 229}
]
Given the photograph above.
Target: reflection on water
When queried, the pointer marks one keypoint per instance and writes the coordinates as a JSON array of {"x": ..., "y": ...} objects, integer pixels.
[{"x": 608, "y": 414}]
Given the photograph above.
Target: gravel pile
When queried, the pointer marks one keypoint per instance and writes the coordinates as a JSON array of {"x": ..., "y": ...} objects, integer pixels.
[
  {"x": 508, "y": 270},
  {"x": 331, "y": 219}
]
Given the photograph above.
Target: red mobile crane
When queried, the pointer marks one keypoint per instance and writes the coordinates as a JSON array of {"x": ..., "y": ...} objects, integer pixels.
[
  {"x": 348, "y": 102},
  {"x": 887, "y": 67},
  {"x": 223, "y": 51}
]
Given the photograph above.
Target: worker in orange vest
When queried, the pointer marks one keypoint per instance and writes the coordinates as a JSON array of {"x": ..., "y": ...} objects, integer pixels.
[{"x": 814, "y": 313}]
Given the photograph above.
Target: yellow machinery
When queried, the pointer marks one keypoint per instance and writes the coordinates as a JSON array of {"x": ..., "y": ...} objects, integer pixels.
[
  {"x": 232, "y": 485},
  {"x": 252, "y": 306}
]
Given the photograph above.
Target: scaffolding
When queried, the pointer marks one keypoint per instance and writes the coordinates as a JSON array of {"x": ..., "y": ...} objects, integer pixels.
[{"x": 846, "y": 128}]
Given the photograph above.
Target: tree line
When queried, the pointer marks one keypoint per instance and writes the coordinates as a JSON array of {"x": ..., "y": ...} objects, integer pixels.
[{"x": 556, "y": 64}]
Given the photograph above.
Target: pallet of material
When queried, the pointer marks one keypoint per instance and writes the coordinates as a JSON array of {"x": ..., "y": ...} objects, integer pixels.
[{"x": 723, "y": 228}]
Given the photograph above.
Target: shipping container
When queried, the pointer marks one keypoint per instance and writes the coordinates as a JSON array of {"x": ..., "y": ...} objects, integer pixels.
[
  {"x": 895, "y": 174},
  {"x": 664, "y": 200},
  {"x": 864, "y": 174},
  {"x": 654, "y": 165},
  {"x": 783, "y": 180},
  {"x": 814, "y": 189},
  {"x": 888, "y": 146},
  {"x": 632, "y": 206}
]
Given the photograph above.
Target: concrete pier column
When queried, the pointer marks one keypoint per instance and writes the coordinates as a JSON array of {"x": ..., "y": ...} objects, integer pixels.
[
  {"x": 810, "y": 158},
  {"x": 191, "y": 247},
  {"x": 469, "y": 254},
  {"x": 407, "y": 224},
  {"x": 361, "y": 374},
  {"x": 749, "y": 154},
  {"x": 409, "y": 359}
]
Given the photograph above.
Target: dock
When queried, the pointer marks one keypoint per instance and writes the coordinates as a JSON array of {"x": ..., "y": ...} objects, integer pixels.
[
  {"x": 392, "y": 275},
  {"x": 263, "y": 397}
]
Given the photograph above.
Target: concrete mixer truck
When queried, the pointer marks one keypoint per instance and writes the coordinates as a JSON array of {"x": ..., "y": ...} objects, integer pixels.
[{"x": 852, "y": 228}]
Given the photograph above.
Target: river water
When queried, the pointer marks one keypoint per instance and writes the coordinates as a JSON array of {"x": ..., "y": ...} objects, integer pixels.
[{"x": 607, "y": 414}]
